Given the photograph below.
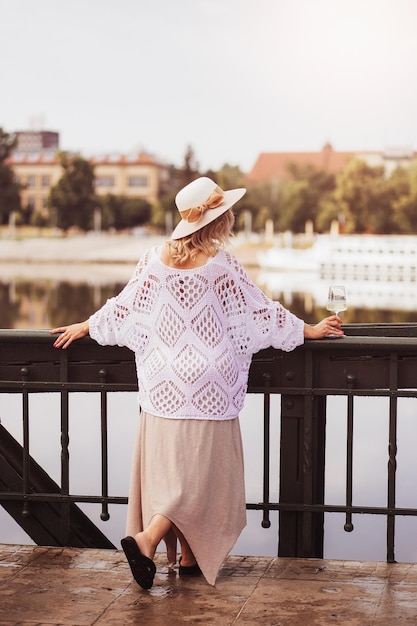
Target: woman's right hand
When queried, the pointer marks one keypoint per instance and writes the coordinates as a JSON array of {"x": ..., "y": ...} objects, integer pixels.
[{"x": 331, "y": 325}]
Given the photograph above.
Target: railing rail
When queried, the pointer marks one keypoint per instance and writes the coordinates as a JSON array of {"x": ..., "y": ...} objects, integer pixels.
[{"x": 372, "y": 360}]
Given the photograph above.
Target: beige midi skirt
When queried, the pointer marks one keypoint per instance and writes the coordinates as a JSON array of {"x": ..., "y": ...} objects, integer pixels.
[{"x": 191, "y": 471}]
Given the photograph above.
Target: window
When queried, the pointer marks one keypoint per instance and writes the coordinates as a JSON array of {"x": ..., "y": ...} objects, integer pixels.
[
  {"x": 46, "y": 181},
  {"x": 31, "y": 182},
  {"x": 137, "y": 181},
  {"x": 104, "y": 181}
]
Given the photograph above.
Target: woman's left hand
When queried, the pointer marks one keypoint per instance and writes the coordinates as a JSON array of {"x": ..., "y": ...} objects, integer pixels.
[{"x": 70, "y": 333}]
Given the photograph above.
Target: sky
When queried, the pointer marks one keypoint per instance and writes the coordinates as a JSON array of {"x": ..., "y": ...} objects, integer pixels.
[{"x": 230, "y": 78}]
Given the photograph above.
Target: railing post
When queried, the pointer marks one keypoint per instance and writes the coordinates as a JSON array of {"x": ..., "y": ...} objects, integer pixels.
[
  {"x": 392, "y": 460},
  {"x": 26, "y": 454},
  {"x": 302, "y": 461},
  {"x": 104, "y": 448},
  {"x": 65, "y": 487}
]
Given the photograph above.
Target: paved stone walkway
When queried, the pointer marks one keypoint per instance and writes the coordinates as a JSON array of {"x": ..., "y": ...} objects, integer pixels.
[{"x": 79, "y": 587}]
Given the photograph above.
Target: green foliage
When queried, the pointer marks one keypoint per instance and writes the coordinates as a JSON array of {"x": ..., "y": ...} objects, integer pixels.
[
  {"x": 109, "y": 205},
  {"x": 134, "y": 212},
  {"x": 304, "y": 196},
  {"x": 120, "y": 212},
  {"x": 232, "y": 177},
  {"x": 9, "y": 194},
  {"x": 296, "y": 208},
  {"x": 229, "y": 177},
  {"x": 9, "y": 189},
  {"x": 358, "y": 190},
  {"x": 263, "y": 200},
  {"x": 361, "y": 198},
  {"x": 373, "y": 202},
  {"x": 164, "y": 212},
  {"x": 405, "y": 202},
  {"x": 7, "y": 143},
  {"x": 190, "y": 168},
  {"x": 73, "y": 197}
]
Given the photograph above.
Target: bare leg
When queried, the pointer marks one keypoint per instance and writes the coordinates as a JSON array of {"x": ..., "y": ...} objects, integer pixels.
[
  {"x": 187, "y": 557},
  {"x": 170, "y": 539},
  {"x": 149, "y": 538}
]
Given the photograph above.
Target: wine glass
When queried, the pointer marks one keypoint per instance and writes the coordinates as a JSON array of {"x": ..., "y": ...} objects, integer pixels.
[{"x": 336, "y": 301}]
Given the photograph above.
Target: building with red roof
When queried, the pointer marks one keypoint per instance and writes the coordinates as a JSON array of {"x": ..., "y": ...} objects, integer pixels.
[{"x": 273, "y": 166}]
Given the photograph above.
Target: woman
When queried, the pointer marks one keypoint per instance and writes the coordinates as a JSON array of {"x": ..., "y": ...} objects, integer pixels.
[{"x": 194, "y": 319}]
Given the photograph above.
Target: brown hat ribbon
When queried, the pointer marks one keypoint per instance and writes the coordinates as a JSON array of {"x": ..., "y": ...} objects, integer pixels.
[{"x": 195, "y": 214}]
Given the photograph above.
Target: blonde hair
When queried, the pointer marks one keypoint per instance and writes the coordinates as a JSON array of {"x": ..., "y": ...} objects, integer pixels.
[{"x": 209, "y": 240}]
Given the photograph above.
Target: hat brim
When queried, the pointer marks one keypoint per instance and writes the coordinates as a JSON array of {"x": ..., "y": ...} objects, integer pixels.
[{"x": 184, "y": 228}]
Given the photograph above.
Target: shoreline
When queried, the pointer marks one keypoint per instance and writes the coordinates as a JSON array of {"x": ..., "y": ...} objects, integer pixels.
[
  {"x": 102, "y": 248},
  {"x": 97, "y": 258}
]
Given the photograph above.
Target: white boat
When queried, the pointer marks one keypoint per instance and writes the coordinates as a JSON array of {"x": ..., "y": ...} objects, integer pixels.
[
  {"x": 354, "y": 257},
  {"x": 393, "y": 295}
]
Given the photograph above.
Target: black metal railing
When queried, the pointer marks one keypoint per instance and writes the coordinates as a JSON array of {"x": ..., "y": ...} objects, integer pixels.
[{"x": 372, "y": 360}]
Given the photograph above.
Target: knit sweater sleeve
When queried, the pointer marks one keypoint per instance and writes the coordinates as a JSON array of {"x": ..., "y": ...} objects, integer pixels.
[
  {"x": 112, "y": 324},
  {"x": 268, "y": 323}
]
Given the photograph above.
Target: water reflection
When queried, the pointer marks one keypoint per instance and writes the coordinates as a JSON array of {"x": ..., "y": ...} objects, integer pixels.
[
  {"x": 368, "y": 301},
  {"x": 50, "y": 303},
  {"x": 45, "y": 303}
]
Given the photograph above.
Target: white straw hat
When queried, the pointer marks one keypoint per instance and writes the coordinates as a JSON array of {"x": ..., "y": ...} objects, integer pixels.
[{"x": 201, "y": 202}]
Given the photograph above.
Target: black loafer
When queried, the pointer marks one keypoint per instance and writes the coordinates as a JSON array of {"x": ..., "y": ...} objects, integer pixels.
[
  {"x": 189, "y": 570},
  {"x": 143, "y": 568}
]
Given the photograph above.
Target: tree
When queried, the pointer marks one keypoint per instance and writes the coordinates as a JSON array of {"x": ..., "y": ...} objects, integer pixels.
[
  {"x": 164, "y": 213},
  {"x": 229, "y": 177},
  {"x": 304, "y": 196},
  {"x": 120, "y": 212},
  {"x": 295, "y": 208},
  {"x": 73, "y": 197},
  {"x": 132, "y": 212},
  {"x": 190, "y": 168},
  {"x": 405, "y": 202},
  {"x": 7, "y": 143},
  {"x": 263, "y": 200},
  {"x": 9, "y": 188},
  {"x": 358, "y": 194},
  {"x": 232, "y": 177}
]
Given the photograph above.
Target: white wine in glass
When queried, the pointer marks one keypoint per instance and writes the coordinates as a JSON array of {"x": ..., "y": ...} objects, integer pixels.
[{"x": 336, "y": 301}]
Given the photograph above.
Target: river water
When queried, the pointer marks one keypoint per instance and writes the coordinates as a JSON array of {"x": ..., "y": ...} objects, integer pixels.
[{"x": 42, "y": 296}]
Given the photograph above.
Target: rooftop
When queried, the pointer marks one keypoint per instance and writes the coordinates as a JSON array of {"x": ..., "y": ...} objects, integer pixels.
[
  {"x": 273, "y": 165},
  {"x": 81, "y": 587}
]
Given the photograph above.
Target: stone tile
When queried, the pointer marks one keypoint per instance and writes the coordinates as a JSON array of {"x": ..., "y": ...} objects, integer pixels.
[
  {"x": 313, "y": 603},
  {"x": 73, "y": 558},
  {"x": 353, "y": 571},
  {"x": 398, "y": 605},
  {"x": 177, "y": 601},
  {"x": 59, "y": 596},
  {"x": 238, "y": 566},
  {"x": 17, "y": 555}
]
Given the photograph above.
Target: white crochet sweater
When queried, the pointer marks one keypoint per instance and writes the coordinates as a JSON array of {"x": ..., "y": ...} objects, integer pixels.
[{"x": 193, "y": 333}]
